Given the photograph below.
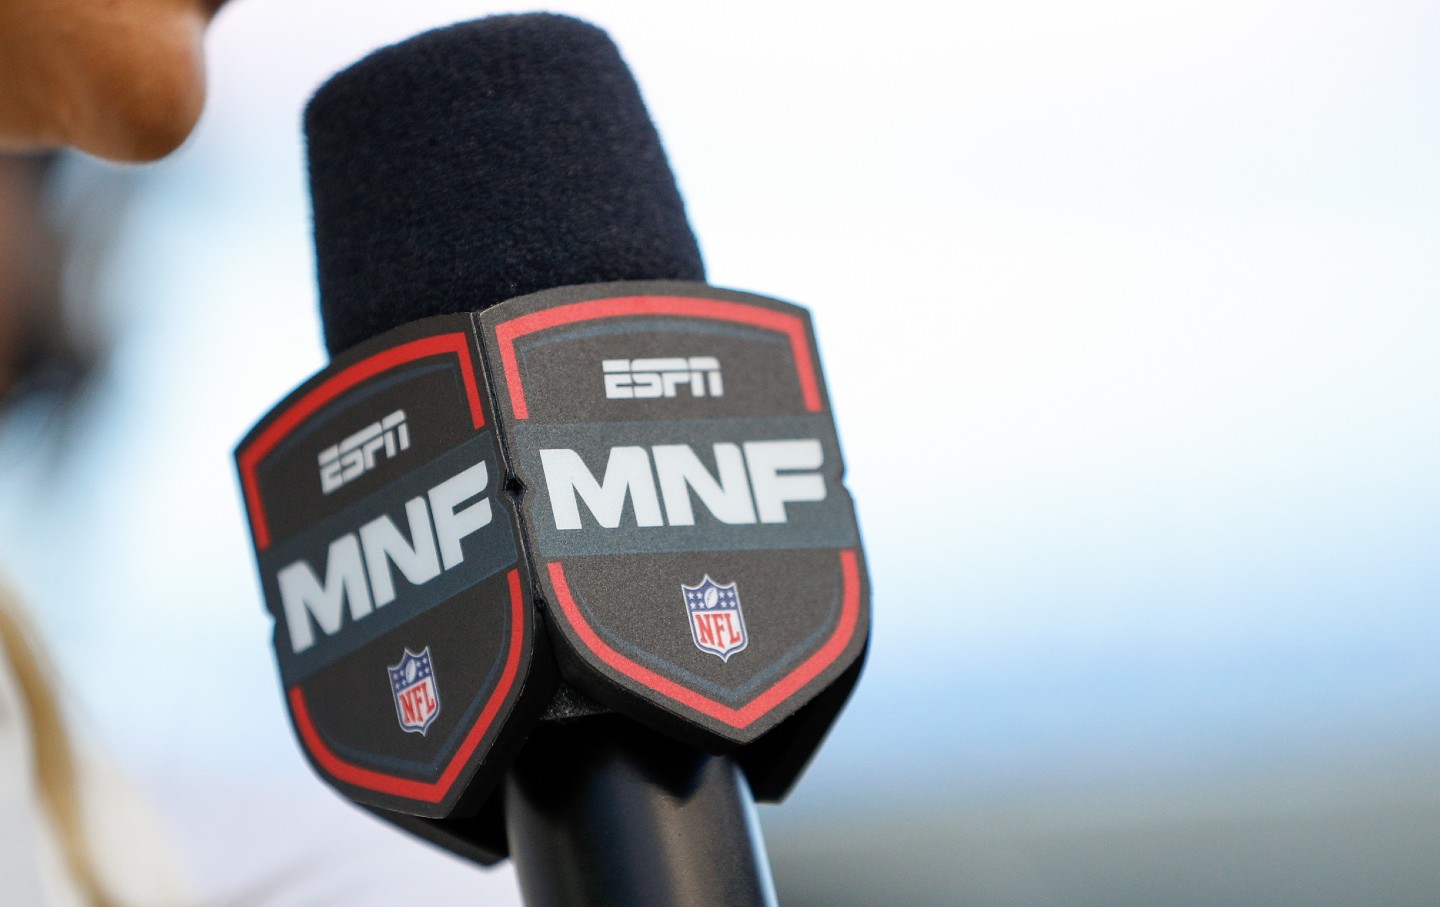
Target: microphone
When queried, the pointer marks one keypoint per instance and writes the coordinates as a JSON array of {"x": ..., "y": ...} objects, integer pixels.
[{"x": 556, "y": 547}]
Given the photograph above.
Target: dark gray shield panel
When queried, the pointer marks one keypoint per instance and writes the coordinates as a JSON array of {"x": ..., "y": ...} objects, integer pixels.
[
  {"x": 681, "y": 500},
  {"x": 390, "y": 562}
]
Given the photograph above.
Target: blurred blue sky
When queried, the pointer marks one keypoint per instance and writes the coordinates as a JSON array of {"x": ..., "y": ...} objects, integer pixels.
[{"x": 1130, "y": 314}]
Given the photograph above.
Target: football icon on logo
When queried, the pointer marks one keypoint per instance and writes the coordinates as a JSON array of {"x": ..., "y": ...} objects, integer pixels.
[
  {"x": 417, "y": 701},
  {"x": 716, "y": 622}
]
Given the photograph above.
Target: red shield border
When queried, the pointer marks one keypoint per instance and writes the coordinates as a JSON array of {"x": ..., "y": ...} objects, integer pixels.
[
  {"x": 507, "y": 333},
  {"x": 252, "y": 454}
]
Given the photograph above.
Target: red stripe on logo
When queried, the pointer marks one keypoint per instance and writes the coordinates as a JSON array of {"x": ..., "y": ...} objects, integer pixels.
[
  {"x": 423, "y": 791},
  {"x": 332, "y": 387},
  {"x": 507, "y": 332},
  {"x": 747, "y": 714}
]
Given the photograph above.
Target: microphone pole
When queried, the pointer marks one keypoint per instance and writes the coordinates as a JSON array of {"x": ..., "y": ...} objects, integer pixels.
[{"x": 602, "y": 812}]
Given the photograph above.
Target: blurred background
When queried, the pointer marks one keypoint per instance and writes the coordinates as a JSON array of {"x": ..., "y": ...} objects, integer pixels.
[{"x": 1131, "y": 316}]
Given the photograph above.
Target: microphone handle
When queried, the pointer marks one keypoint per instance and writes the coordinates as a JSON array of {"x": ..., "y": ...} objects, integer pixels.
[{"x": 601, "y": 812}]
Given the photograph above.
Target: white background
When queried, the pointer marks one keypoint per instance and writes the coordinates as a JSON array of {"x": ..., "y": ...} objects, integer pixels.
[{"x": 1129, "y": 313}]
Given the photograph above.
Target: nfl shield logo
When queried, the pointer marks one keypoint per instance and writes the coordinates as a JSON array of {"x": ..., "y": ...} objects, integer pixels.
[
  {"x": 417, "y": 701},
  {"x": 716, "y": 623}
]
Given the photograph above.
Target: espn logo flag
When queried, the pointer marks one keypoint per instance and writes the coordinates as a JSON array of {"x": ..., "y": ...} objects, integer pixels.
[{"x": 399, "y": 498}]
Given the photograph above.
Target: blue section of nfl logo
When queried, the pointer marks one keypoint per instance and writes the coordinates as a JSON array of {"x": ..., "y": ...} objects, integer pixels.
[
  {"x": 417, "y": 699},
  {"x": 716, "y": 623}
]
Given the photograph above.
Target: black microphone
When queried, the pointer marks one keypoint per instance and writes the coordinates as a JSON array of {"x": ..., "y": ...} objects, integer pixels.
[{"x": 557, "y": 548}]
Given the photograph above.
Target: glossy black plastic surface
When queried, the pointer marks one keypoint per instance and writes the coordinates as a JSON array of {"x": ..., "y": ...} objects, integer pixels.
[{"x": 601, "y": 812}]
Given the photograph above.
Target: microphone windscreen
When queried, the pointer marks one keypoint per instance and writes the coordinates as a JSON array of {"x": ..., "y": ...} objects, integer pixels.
[{"x": 483, "y": 161}]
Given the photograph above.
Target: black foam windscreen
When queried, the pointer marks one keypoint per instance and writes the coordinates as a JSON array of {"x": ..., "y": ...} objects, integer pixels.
[{"x": 483, "y": 161}]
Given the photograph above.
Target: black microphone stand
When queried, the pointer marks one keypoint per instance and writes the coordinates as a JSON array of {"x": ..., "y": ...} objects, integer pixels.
[{"x": 602, "y": 812}]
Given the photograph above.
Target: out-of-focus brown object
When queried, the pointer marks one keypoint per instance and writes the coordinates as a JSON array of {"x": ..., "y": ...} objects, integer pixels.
[
  {"x": 54, "y": 759},
  {"x": 32, "y": 327},
  {"x": 121, "y": 79}
]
